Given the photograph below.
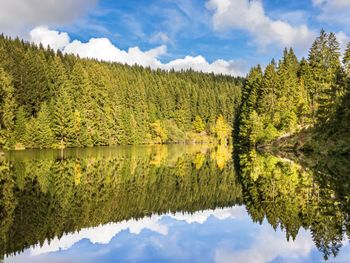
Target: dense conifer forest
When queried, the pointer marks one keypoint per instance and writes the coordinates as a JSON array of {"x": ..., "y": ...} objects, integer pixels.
[
  {"x": 310, "y": 98},
  {"x": 49, "y": 99},
  {"x": 54, "y": 100}
]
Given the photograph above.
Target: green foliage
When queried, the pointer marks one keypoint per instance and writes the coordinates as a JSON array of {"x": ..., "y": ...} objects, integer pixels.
[
  {"x": 20, "y": 132},
  {"x": 294, "y": 95},
  {"x": 198, "y": 124},
  {"x": 94, "y": 103},
  {"x": 39, "y": 132},
  {"x": 7, "y": 108},
  {"x": 291, "y": 196},
  {"x": 346, "y": 60},
  {"x": 95, "y": 186},
  {"x": 160, "y": 134},
  {"x": 222, "y": 131},
  {"x": 64, "y": 117}
]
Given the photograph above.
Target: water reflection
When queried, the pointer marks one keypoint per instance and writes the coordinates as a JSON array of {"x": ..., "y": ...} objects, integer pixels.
[
  {"x": 294, "y": 196},
  {"x": 172, "y": 203},
  {"x": 45, "y": 194}
]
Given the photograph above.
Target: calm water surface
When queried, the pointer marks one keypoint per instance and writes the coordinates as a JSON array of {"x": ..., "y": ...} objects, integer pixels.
[{"x": 172, "y": 204}]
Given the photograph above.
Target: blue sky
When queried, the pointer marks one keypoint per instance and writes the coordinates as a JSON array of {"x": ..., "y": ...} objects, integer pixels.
[
  {"x": 223, "y": 36},
  {"x": 219, "y": 235}
]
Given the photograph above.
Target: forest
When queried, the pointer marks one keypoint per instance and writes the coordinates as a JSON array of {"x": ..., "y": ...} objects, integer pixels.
[
  {"x": 306, "y": 101},
  {"x": 54, "y": 100}
]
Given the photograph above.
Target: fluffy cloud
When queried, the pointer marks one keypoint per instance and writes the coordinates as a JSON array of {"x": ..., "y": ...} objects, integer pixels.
[
  {"x": 249, "y": 15},
  {"x": 334, "y": 11},
  {"x": 198, "y": 63},
  {"x": 103, "y": 49},
  {"x": 269, "y": 246},
  {"x": 343, "y": 40},
  {"x": 47, "y": 37},
  {"x": 104, "y": 234},
  {"x": 16, "y": 16},
  {"x": 160, "y": 37},
  {"x": 100, "y": 235}
]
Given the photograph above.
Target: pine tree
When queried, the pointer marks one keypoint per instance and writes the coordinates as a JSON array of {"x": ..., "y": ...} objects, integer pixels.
[
  {"x": 329, "y": 95},
  {"x": 64, "y": 118},
  {"x": 268, "y": 94},
  {"x": 34, "y": 88},
  {"x": 250, "y": 93},
  {"x": 20, "y": 127},
  {"x": 57, "y": 75},
  {"x": 346, "y": 60},
  {"x": 39, "y": 132},
  {"x": 7, "y": 109},
  {"x": 324, "y": 59},
  {"x": 198, "y": 124}
]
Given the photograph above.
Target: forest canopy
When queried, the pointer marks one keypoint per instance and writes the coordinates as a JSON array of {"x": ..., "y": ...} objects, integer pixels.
[
  {"x": 49, "y": 99},
  {"x": 291, "y": 95}
]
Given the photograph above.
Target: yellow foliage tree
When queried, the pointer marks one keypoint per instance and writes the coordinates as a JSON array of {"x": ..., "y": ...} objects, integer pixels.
[{"x": 222, "y": 130}]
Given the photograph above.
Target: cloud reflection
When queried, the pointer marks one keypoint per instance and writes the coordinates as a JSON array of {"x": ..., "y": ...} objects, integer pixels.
[{"x": 104, "y": 234}]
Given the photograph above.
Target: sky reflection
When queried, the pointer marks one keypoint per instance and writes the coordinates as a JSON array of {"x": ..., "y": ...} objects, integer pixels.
[{"x": 220, "y": 235}]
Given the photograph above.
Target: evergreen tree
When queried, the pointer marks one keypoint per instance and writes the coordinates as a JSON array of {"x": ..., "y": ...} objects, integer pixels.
[
  {"x": 198, "y": 124},
  {"x": 346, "y": 60},
  {"x": 7, "y": 108},
  {"x": 64, "y": 118},
  {"x": 39, "y": 132},
  {"x": 20, "y": 127}
]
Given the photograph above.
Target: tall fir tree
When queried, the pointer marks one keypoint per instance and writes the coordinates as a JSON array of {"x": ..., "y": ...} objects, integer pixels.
[
  {"x": 63, "y": 116},
  {"x": 7, "y": 109},
  {"x": 20, "y": 132}
]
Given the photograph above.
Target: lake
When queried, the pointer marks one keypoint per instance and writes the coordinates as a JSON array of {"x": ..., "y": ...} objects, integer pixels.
[{"x": 177, "y": 203}]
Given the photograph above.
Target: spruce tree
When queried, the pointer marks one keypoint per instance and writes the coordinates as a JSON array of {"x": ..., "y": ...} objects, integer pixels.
[
  {"x": 39, "y": 132},
  {"x": 7, "y": 109},
  {"x": 346, "y": 60},
  {"x": 64, "y": 117},
  {"x": 198, "y": 124},
  {"x": 20, "y": 127}
]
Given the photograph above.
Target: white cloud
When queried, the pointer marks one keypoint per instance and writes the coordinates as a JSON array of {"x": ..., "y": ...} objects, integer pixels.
[
  {"x": 103, "y": 49},
  {"x": 160, "y": 37},
  {"x": 333, "y": 11},
  {"x": 202, "y": 216},
  {"x": 47, "y": 37},
  {"x": 249, "y": 15},
  {"x": 343, "y": 40},
  {"x": 17, "y": 16},
  {"x": 104, "y": 234},
  {"x": 334, "y": 4},
  {"x": 269, "y": 246},
  {"x": 101, "y": 234},
  {"x": 199, "y": 63}
]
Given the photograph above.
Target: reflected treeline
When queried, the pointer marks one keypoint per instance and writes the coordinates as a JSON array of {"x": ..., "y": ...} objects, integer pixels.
[
  {"x": 291, "y": 196},
  {"x": 45, "y": 194}
]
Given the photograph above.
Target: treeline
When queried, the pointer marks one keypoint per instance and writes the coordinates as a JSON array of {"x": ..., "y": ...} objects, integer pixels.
[
  {"x": 90, "y": 187},
  {"x": 49, "y": 99},
  {"x": 290, "y": 95}
]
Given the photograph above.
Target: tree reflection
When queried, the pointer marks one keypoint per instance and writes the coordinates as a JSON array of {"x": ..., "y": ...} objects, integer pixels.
[
  {"x": 291, "y": 196},
  {"x": 45, "y": 194}
]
